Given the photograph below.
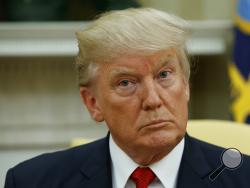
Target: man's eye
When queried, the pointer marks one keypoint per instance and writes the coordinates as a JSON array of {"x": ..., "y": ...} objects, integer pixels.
[
  {"x": 124, "y": 83},
  {"x": 163, "y": 74}
]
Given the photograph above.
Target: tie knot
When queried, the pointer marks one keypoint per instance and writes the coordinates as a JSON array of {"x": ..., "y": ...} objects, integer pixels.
[{"x": 142, "y": 177}]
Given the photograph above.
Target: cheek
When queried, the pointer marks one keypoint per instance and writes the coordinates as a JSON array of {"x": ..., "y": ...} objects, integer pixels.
[
  {"x": 118, "y": 109},
  {"x": 176, "y": 102},
  {"x": 182, "y": 107},
  {"x": 176, "y": 96},
  {"x": 121, "y": 117},
  {"x": 181, "y": 92},
  {"x": 181, "y": 103}
]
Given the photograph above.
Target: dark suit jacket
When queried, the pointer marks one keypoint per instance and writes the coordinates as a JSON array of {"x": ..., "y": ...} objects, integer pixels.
[{"x": 88, "y": 166}]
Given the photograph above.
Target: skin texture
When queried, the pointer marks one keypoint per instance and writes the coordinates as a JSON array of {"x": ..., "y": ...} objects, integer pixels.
[{"x": 143, "y": 100}]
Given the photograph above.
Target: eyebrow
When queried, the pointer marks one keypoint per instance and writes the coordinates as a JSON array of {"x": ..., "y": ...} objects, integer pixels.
[
  {"x": 131, "y": 72},
  {"x": 123, "y": 72},
  {"x": 164, "y": 61}
]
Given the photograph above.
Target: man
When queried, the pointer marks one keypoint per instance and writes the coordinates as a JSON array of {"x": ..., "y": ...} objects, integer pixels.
[{"x": 134, "y": 75}]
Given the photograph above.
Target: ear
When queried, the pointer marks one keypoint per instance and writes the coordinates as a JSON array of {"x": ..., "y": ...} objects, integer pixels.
[{"x": 89, "y": 99}]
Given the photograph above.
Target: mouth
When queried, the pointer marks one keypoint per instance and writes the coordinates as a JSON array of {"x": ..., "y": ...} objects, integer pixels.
[{"x": 156, "y": 124}]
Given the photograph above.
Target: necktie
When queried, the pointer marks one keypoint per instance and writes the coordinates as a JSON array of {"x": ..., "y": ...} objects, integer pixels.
[{"x": 142, "y": 177}]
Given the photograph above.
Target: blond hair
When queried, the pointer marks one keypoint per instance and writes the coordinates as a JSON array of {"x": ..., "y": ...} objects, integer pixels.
[{"x": 127, "y": 32}]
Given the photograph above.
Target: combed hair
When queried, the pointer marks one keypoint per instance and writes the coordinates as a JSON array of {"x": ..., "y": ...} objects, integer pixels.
[{"x": 129, "y": 32}]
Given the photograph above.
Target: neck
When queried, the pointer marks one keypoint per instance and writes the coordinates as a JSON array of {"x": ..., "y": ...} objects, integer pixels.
[
  {"x": 146, "y": 155},
  {"x": 146, "y": 158}
]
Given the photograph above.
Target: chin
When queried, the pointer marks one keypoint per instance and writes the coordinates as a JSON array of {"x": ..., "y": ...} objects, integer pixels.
[{"x": 165, "y": 140}]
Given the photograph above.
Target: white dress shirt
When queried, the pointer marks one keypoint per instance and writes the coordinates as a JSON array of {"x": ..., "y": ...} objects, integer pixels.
[{"x": 166, "y": 169}]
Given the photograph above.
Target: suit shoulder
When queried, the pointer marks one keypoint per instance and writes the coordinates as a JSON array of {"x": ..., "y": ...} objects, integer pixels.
[
  {"x": 58, "y": 157},
  {"x": 210, "y": 149},
  {"x": 57, "y": 164},
  {"x": 213, "y": 155}
]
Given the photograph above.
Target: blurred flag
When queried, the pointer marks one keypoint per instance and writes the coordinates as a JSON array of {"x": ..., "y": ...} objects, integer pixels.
[{"x": 239, "y": 69}]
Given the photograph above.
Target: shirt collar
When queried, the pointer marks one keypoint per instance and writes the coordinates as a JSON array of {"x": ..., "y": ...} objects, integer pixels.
[
  {"x": 122, "y": 165},
  {"x": 167, "y": 168}
]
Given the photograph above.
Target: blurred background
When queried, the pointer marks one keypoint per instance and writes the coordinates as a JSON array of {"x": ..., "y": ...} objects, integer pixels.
[{"x": 40, "y": 107}]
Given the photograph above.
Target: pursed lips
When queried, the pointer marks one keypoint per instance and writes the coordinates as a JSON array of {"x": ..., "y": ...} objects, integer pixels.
[{"x": 155, "y": 123}]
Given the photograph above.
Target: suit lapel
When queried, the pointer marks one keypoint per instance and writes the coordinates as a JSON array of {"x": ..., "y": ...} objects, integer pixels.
[
  {"x": 193, "y": 172},
  {"x": 96, "y": 169},
  {"x": 199, "y": 160},
  {"x": 194, "y": 168}
]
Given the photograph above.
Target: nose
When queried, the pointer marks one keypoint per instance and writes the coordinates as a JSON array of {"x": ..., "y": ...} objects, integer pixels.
[{"x": 151, "y": 96}]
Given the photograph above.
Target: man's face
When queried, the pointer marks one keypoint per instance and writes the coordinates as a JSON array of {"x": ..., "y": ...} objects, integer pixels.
[{"x": 143, "y": 100}]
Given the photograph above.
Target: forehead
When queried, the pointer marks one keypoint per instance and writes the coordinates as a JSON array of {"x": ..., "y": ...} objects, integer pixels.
[{"x": 141, "y": 63}]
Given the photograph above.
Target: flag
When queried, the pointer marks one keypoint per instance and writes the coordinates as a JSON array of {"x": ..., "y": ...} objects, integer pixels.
[{"x": 239, "y": 69}]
